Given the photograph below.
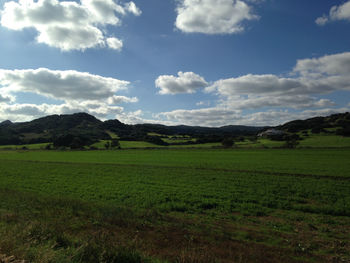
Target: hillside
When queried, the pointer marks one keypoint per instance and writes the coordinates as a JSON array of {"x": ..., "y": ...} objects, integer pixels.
[
  {"x": 89, "y": 129},
  {"x": 83, "y": 125},
  {"x": 47, "y": 128},
  {"x": 336, "y": 123}
]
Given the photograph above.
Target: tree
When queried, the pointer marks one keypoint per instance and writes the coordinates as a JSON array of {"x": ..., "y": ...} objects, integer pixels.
[
  {"x": 115, "y": 144},
  {"x": 72, "y": 141},
  {"x": 227, "y": 142},
  {"x": 343, "y": 131},
  {"x": 291, "y": 144},
  {"x": 107, "y": 145}
]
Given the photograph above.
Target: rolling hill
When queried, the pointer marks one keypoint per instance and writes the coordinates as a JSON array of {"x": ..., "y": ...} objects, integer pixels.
[{"x": 88, "y": 128}]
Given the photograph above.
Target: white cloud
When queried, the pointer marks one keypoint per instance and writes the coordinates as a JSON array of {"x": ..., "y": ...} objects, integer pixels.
[
  {"x": 79, "y": 91},
  {"x": 212, "y": 16},
  {"x": 122, "y": 99},
  {"x": 255, "y": 84},
  {"x": 337, "y": 64},
  {"x": 295, "y": 97},
  {"x": 311, "y": 77},
  {"x": 114, "y": 43},
  {"x": 186, "y": 82},
  {"x": 67, "y": 25},
  {"x": 341, "y": 12},
  {"x": 202, "y": 117},
  {"x": 131, "y": 117},
  {"x": 27, "y": 112},
  {"x": 132, "y": 8},
  {"x": 203, "y": 103},
  {"x": 258, "y": 102},
  {"x": 6, "y": 98},
  {"x": 216, "y": 116},
  {"x": 321, "y": 20},
  {"x": 66, "y": 85}
]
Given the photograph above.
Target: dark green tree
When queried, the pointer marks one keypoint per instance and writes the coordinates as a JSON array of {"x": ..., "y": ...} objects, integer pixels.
[
  {"x": 115, "y": 143},
  {"x": 107, "y": 145},
  {"x": 227, "y": 142}
]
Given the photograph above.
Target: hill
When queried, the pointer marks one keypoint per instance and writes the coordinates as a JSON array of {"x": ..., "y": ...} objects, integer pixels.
[
  {"x": 336, "y": 123},
  {"x": 87, "y": 127}
]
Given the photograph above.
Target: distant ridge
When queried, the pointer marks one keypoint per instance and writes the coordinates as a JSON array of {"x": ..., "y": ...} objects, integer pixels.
[
  {"x": 6, "y": 123},
  {"x": 46, "y": 129},
  {"x": 339, "y": 120}
]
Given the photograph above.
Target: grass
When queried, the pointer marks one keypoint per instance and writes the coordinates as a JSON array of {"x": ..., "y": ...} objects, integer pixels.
[
  {"x": 36, "y": 146},
  {"x": 176, "y": 205},
  {"x": 311, "y": 141},
  {"x": 330, "y": 162},
  {"x": 112, "y": 135},
  {"x": 332, "y": 141},
  {"x": 178, "y": 188}
]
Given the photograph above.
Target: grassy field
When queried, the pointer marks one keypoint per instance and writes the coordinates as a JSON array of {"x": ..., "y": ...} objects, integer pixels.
[
  {"x": 191, "y": 205},
  {"x": 36, "y": 146},
  {"x": 332, "y": 141},
  {"x": 312, "y": 141}
]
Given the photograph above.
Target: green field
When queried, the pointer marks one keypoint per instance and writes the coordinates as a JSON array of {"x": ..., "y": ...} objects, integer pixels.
[
  {"x": 191, "y": 205},
  {"x": 36, "y": 146},
  {"x": 331, "y": 141}
]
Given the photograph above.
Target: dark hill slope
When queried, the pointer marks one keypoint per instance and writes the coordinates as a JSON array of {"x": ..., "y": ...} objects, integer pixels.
[
  {"x": 59, "y": 123},
  {"x": 83, "y": 125},
  {"x": 47, "y": 128},
  {"x": 339, "y": 122}
]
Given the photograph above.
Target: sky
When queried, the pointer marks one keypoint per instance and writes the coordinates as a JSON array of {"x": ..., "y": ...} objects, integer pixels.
[{"x": 192, "y": 62}]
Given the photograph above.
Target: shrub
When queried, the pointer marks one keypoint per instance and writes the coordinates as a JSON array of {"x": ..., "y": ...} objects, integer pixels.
[{"x": 227, "y": 142}]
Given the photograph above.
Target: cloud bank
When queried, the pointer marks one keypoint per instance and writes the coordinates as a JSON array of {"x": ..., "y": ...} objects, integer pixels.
[
  {"x": 296, "y": 95},
  {"x": 293, "y": 96},
  {"x": 68, "y": 25}
]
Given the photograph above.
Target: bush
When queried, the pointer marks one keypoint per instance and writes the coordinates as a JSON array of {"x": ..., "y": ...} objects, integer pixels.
[
  {"x": 227, "y": 142},
  {"x": 291, "y": 144},
  {"x": 72, "y": 141},
  {"x": 107, "y": 145},
  {"x": 48, "y": 146},
  {"x": 156, "y": 140},
  {"x": 115, "y": 144},
  {"x": 343, "y": 131}
]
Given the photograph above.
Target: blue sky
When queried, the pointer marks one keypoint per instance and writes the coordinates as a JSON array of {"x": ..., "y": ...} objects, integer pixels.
[{"x": 194, "y": 62}]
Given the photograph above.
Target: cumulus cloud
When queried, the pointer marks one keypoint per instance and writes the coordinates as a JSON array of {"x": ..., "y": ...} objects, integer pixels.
[
  {"x": 67, "y": 85},
  {"x": 322, "y": 20},
  {"x": 185, "y": 82},
  {"x": 203, "y": 103},
  {"x": 121, "y": 99},
  {"x": 132, "y": 8},
  {"x": 114, "y": 43},
  {"x": 341, "y": 12},
  {"x": 293, "y": 97},
  {"x": 202, "y": 117},
  {"x": 217, "y": 116},
  {"x": 213, "y": 16},
  {"x": 79, "y": 91},
  {"x": 336, "y": 64},
  {"x": 68, "y": 25},
  {"x": 6, "y": 98},
  {"x": 27, "y": 112},
  {"x": 295, "y": 102},
  {"x": 311, "y": 77}
]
